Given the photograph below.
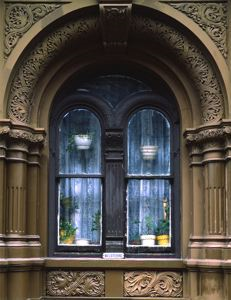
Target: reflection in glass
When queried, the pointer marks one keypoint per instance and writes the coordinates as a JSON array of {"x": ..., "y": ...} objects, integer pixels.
[
  {"x": 80, "y": 211},
  {"x": 148, "y": 143},
  {"x": 80, "y": 143},
  {"x": 149, "y": 202}
]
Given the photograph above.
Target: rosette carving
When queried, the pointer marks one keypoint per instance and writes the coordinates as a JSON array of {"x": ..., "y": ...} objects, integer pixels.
[
  {"x": 21, "y": 94},
  {"x": 198, "y": 66},
  {"x": 153, "y": 284},
  {"x": 61, "y": 283},
  {"x": 19, "y": 18},
  {"x": 211, "y": 17}
]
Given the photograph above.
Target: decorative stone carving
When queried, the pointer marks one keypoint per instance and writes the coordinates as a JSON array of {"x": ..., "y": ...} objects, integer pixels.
[
  {"x": 198, "y": 66},
  {"x": 22, "y": 134},
  {"x": 153, "y": 284},
  {"x": 23, "y": 84},
  {"x": 21, "y": 94},
  {"x": 72, "y": 283},
  {"x": 207, "y": 134},
  {"x": 115, "y": 20},
  {"x": 19, "y": 18},
  {"x": 211, "y": 17}
]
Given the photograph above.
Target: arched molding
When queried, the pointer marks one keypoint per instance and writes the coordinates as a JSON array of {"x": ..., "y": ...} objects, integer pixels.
[
  {"x": 211, "y": 17},
  {"x": 202, "y": 38},
  {"x": 26, "y": 77},
  {"x": 20, "y": 17}
]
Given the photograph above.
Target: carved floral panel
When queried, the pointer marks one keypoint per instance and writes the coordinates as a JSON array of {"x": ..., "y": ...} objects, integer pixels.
[
  {"x": 211, "y": 17},
  {"x": 153, "y": 284},
  {"x": 72, "y": 283},
  {"x": 19, "y": 18}
]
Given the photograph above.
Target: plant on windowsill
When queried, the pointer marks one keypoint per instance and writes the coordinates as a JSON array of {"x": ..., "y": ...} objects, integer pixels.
[
  {"x": 148, "y": 239},
  {"x": 162, "y": 231},
  {"x": 67, "y": 232}
]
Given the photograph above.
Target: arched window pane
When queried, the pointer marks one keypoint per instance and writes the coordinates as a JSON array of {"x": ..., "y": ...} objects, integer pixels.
[
  {"x": 80, "y": 143},
  {"x": 148, "y": 143}
]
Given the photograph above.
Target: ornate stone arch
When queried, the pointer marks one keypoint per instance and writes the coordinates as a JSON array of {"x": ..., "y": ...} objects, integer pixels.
[{"x": 27, "y": 75}]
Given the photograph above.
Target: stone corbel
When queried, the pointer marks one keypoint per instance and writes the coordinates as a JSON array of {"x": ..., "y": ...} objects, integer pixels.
[{"x": 115, "y": 19}]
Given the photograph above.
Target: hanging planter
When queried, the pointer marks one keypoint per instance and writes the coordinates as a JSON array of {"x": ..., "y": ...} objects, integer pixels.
[
  {"x": 83, "y": 141},
  {"x": 149, "y": 152}
]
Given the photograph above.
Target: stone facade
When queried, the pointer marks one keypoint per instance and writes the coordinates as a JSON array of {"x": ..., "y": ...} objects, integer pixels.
[{"x": 186, "y": 44}]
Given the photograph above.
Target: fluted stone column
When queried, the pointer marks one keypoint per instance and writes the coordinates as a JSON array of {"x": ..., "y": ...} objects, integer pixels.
[
  {"x": 20, "y": 159},
  {"x": 209, "y": 245}
]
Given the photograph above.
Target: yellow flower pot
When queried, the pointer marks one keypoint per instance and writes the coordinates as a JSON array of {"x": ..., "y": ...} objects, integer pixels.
[
  {"x": 162, "y": 239},
  {"x": 69, "y": 240}
]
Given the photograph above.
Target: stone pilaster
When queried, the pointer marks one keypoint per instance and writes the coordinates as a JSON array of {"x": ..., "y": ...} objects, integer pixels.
[
  {"x": 210, "y": 160},
  {"x": 20, "y": 162}
]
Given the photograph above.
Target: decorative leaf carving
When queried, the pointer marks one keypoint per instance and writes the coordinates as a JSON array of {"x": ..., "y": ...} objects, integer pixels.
[
  {"x": 21, "y": 94},
  {"x": 198, "y": 65},
  {"x": 70, "y": 283},
  {"x": 211, "y": 17},
  {"x": 19, "y": 18},
  {"x": 153, "y": 284},
  {"x": 144, "y": 28}
]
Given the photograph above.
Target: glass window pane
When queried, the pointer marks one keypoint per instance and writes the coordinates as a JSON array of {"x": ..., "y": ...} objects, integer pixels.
[
  {"x": 149, "y": 214},
  {"x": 148, "y": 143},
  {"x": 80, "y": 143},
  {"x": 79, "y": 211}
]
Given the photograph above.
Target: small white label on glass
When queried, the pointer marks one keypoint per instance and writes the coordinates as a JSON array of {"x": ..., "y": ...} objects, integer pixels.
[{"x": 112, "y": 255}]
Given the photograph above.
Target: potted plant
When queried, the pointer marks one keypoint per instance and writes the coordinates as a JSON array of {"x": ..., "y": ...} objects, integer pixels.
[
  {"x": 148, "y": 239},
  {"x": 162, "y": 231},
  {"x": 83, "y": 141},
  {"x": 66, "y": 232}
]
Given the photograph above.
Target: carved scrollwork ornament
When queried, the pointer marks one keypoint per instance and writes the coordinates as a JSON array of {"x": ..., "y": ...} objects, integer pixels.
[
  {"x": 211, "y": 17},
  {"x": 68, "y": 283},
  {"x": 19, "y": 18},
  {"x": 153, "y": 284},
  {"x": 22, "y": 88},
  {"x": 199, "y": 67},
  {"x": 23, "y": 84}
]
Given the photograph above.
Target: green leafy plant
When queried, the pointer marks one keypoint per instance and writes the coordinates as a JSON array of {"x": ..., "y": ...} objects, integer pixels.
[
  {"x": 149, "y": 224},
  {"x": 66, "y": 230},
  {"x": 71, "y": 143},
  {"x": 96, "y": 221}
]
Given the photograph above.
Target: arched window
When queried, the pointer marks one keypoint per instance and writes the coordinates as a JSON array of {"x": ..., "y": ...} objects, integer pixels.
[
  {"x": 148, "y": 179},
  {"x": 114, "y": 172},
  {"x": 79, "y": 179}
]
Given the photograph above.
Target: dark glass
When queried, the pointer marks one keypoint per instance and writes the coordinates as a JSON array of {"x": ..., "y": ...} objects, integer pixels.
[
  {"x": 148, "y": 200},
  {"x": 148, "y": 143}
]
